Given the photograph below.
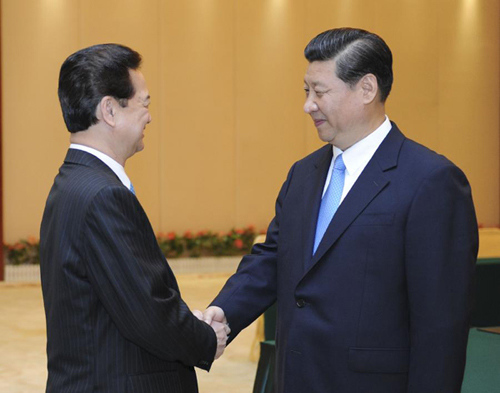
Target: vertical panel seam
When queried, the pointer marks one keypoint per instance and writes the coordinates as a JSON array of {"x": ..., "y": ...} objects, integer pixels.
[{"x": 237, "y": 155}]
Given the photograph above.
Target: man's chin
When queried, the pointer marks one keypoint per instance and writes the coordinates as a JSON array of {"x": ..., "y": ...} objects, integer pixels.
[{"x": 327, "y": 138}]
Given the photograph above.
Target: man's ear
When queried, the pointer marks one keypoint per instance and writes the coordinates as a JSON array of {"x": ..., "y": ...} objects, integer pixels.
[
  {"x": 106, "y": 110},
  {"x": 369, "y": 88}
]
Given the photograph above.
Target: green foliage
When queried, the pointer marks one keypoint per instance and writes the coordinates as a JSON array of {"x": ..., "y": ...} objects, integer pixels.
[
  {"x": 207, "y": 243},
  {"x": 24, "y": 252},
  {"x": 203, "y": 243}
]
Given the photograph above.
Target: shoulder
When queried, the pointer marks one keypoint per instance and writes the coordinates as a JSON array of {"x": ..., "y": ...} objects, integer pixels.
[
  {"x": 412, "y": 159},
  {"x": 424, "y": 160},
  {"x": 77, "y": 184},
  {"x": 83, "y": 177}
]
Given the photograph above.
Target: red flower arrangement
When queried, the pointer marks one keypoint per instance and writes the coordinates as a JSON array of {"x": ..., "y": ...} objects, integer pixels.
[
  {"x": 204, "y": 243},
  {"x": 23, "y": 252},
  {"x": 207, "y": 243}
]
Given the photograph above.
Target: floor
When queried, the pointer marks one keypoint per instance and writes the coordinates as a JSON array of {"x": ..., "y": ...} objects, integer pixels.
[{"x": 22, "y": 339}]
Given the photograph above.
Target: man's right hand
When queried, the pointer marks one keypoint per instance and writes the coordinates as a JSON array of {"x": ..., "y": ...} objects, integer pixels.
[
  {"x": 214, "y": 313},
  {"x": 214, "y": 316},
  {"x": 221, "y": 331}
]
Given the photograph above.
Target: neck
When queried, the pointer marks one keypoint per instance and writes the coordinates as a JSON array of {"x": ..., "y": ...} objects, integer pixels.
[
  {"x": 361, "y": 131},
  {"x": 375, "y": 122},
  {"x": 375, "y": 116},
  {"x": 90, "y": 138}
]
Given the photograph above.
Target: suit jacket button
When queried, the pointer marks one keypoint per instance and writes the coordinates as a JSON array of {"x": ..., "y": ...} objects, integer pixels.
[{"x": 301, "y": 303}]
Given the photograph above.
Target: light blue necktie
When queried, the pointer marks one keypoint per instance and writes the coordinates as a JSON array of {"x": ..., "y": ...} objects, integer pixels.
[
  {"x": 132, "y": 189},
  {"x": 331, "y": 200}
]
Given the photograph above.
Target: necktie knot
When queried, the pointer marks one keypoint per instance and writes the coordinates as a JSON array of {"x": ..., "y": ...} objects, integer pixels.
[{"x": 339, "y": 163}]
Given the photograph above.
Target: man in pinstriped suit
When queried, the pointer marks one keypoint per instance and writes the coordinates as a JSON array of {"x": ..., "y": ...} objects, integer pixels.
[{"x": 115, "y": 319}]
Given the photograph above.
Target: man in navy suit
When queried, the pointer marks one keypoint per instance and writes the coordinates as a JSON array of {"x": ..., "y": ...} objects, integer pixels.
[
  {"x": 376, "y": 299},
  {"x": 116, "y": 321}
]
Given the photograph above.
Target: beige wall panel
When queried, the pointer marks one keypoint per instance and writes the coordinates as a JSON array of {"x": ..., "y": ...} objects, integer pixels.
[
  {"x": 469, "y": 97},
  {"x": 227, "y": 94},
  {"x": 410, "y": 28},
  {"x": 135, "y": 24},
  {"x": 36, "y": 38},
  {"x": 269, "y": 98},
  {"x": 322, "y": 15},
  {"x": 197, "y": 115}
]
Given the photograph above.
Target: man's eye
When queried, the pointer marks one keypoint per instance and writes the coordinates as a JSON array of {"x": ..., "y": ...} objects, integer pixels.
[
  {"x": 319, "y": 93},
  {"x": 307, "y": 91}
]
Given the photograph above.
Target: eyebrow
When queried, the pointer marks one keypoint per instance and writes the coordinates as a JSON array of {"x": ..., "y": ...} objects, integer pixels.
[{"x": 315, "y": 84}]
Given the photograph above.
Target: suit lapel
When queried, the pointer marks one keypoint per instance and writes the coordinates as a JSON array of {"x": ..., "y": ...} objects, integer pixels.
[
  {"x": 313, "y": 189},
  {"x": 369, "y": 184}
]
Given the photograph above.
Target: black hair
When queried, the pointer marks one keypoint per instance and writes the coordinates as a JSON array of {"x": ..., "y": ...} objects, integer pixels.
[
  {"x": 91, "y": 74},
  {"x": 356, "y": 53}
]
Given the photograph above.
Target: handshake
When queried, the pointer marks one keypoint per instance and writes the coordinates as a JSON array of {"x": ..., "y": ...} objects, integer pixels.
[{"x": 214, "y": 316}]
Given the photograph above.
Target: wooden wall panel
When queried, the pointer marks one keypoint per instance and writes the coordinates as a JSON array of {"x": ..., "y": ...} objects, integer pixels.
[
  {"x": 36, "y": 38},
  {"x": 225, "y": 78},
  {"x": 269, "y": 98},
  {"x": 2, "y": 261},
  {"x": 469, "y": 97},
  {"x": 197, "y": 115}
]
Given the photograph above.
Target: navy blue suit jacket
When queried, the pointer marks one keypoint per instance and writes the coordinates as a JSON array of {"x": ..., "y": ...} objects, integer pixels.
[
  {"x": 115, "y": 318},
  {"x": 384, "y": 304}
]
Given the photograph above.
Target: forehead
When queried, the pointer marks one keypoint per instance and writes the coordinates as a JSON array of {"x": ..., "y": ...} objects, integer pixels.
[
  {"x": 139, "y": 83},
  {"x": 320, "y": 72}
]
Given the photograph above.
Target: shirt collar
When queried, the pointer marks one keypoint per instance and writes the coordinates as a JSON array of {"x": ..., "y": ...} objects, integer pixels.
[
  {"x": 362, "y": 151},
  {"x": 112, "y": 164}
]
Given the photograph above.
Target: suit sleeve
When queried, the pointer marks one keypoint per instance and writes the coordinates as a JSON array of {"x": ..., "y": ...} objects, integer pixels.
[
  {"x": 252, "y": 289},
  {"x": 441, "y": 249},
  {"x": 135, "y": 285}
]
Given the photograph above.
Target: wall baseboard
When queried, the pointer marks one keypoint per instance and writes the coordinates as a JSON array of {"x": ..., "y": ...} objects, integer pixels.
[{"x": 202, "y": 265}]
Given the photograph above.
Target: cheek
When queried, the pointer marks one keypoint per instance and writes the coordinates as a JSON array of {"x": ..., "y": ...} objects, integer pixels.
[
  {"x": 329, "y": 108},
  {"x": 331, "y": 113}
]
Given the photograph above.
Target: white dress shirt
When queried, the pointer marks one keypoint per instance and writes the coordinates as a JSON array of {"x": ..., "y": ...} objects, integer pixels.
[
  {"x": 113, "y": 165},
  {"x": 357, "y": 156}
]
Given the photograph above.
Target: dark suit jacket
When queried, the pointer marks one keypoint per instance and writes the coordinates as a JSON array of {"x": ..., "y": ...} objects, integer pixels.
[
  {"x": 115, "y": 318},
  {"x": 384, "y": 304}
]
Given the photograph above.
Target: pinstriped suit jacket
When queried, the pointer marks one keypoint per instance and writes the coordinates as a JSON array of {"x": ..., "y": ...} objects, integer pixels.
[{"x": 115, "y": 318}]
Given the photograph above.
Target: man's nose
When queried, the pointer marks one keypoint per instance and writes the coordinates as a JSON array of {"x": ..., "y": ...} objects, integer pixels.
[{"x": 310, "y": 106}]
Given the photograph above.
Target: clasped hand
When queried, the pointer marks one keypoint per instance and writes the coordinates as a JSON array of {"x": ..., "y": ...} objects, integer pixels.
[{"x": 214, "y": 316}]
